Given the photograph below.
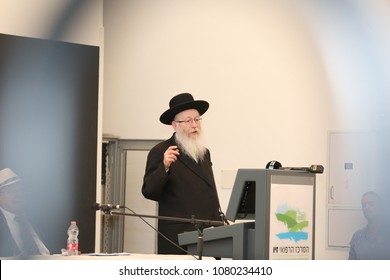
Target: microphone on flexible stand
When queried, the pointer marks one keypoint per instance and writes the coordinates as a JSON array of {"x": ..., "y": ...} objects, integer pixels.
[
  {"x": 314, "y": 168},
  {"x": 106, "y": 207},
  {"x": 199, "y": 224}
]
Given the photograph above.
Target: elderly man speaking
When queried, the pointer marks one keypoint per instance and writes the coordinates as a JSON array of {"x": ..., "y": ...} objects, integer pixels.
[{"x": 179, "y": 173}]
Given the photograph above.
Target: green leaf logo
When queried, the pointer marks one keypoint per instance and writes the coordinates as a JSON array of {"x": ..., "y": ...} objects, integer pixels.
[{"x": 289, "y": 218}]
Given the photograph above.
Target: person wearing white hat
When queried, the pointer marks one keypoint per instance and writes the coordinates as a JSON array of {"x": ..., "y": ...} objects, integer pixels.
[
  {"x": 178, "y": 173},
  {"x": 17, "y": 236}
]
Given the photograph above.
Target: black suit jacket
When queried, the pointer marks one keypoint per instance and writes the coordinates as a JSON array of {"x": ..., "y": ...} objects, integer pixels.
[
  {"x": 8, "y": 247},
  {"x": 187, "y": 190}
]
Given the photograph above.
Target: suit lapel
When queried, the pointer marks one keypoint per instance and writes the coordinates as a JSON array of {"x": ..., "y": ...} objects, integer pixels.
[{"x": 199, "y": 169}]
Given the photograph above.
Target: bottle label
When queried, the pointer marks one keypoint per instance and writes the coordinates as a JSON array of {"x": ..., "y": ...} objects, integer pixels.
[{"x": 73, "y": 246}]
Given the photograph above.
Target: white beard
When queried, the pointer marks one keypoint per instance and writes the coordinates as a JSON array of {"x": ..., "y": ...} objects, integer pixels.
[{"x": 190, "y": 146}]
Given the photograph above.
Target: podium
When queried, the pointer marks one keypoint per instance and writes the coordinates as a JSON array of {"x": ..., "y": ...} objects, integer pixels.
[
  {"x": 276, "y": 209},
  {"x": 222, "y": 242}
]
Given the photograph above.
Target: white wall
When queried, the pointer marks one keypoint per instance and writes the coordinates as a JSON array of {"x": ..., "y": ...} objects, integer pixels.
[{"x": 278, "y": 75}]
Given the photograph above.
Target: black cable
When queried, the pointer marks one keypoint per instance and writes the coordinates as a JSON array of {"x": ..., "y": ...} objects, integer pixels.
[{"x": 156, "y": 230}]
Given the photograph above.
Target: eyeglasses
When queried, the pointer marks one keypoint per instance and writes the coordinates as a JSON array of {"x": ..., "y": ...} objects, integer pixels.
[{"x": 189, "y": 121}]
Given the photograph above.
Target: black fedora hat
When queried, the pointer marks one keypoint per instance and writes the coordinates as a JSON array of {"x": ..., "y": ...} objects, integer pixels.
[{"x": 181, "y": 102}]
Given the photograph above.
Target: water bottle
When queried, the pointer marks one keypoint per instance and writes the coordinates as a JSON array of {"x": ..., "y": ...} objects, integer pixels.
[{"x": 73, "y": 241}]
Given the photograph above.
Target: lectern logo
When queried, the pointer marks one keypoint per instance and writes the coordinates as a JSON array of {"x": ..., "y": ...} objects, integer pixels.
[{"x": 295, "y": 221}]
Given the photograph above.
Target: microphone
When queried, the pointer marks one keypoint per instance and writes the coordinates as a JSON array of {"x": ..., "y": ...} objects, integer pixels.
[
  {"x": 318, "y": 169},
  {"x": 314, "y": 168},
  {"x": 106, "y": 207}
]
